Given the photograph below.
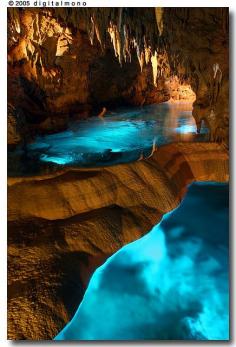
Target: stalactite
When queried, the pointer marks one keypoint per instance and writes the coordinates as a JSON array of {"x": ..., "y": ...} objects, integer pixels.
[
  {"x": 158, "y": 36},
  {"x": 37, "y": 30},
  {"x": 159, "y": 19},
  {"x": 217, "y": 70},
  {"x": 120, "y": 18},
  {"x": 154, "y": 68},
  {"x": 115, "y": 39},
  {"x": 141, "y": 57},
  {"x": 91, "y": 31},
  {"x": 15, "y": 19},
  {"x": 148, "y": 54},
  {"x": 216, "y": 85},
  {"x": 125, "y": 29},
  {"x": 127, "y": 32},
  {"x": 126, "y": 47},
  {"x": 98, "y": 34}
]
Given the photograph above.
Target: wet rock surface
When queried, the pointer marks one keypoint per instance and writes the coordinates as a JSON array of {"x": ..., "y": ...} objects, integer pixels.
[
  {"x": 65, "y": 65},
  {"x": 61, "y": 227},
  {"x": 48, "y": 49}
]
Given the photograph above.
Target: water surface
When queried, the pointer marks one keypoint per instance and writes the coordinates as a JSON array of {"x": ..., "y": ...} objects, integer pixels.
[
  {"x": 172, "y": 284},
  {"x": 122, "y": 136}
]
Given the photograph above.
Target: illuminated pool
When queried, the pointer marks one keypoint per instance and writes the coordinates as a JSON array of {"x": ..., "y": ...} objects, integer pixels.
[
  {"x": 172, "y": 284},
  {"x": 120, "y": 137}
]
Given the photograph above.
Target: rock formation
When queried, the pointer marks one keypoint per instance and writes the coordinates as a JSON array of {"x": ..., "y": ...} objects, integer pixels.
[
  {"x": 114, "y": 56},
  {"x": 45, "y": 55},
  {"x": 62, "y": 226},
  {"x": 198, "y": 42},
  {"x": 68, "y": 64}
]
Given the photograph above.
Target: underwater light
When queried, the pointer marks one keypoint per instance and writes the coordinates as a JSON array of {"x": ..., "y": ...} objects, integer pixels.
[
  {"x": 185, "y": 129},
  {"x": 171, "y": 284},
  {"x": 66, "y": 159}
]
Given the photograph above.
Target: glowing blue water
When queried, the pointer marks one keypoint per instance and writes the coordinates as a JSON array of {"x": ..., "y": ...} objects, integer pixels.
[
  {"x": 170, "y": 284},
  {"x": 120, "y": 137}
]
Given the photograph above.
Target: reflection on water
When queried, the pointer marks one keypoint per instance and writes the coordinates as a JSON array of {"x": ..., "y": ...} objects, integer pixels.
[
  {"x": 122, "y": 136},
  {"x": 172, "y": 284}
]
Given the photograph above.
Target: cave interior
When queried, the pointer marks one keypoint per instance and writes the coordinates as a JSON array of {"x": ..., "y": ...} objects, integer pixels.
[{"x": 112, "y": 113}]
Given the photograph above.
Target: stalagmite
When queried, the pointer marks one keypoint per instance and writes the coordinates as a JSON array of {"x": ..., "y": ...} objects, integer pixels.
[
  {"x": 154, "y": 148},
  {"x": 102, "y": 113},
  {"x": 141, "y": 156}
]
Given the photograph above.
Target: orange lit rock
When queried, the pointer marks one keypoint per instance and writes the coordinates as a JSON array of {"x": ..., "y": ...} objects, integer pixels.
[
  {"x": 62, "y": 226},
  {"x": 49, "y": 53}
]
